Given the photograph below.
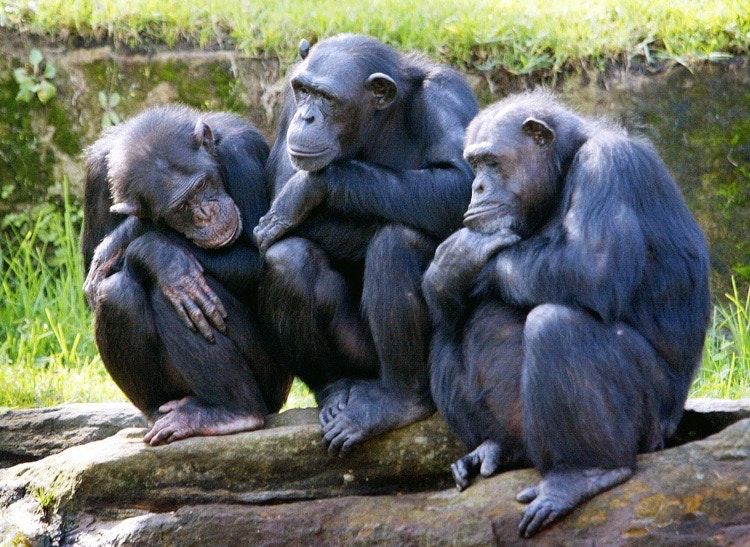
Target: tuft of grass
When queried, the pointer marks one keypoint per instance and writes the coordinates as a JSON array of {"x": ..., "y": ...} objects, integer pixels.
[
  {"x": 726, "y": 356},
  {"x": 518, "y": 35},
  {"x": 47, "y": 352},
  {"x": 48, "y": 355}
]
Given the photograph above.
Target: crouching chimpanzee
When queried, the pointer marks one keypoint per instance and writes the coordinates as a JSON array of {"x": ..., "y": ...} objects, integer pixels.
[
  {"x": 171, "y": 197},
  {"x": 573, "y": 348},
  {"x": 368, "y": 176}
]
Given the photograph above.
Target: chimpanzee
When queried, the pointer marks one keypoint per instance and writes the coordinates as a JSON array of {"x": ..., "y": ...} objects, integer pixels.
[
  {"x": 368, "y": 176},
  {"x": 570, "y": 311},
  {"x": 171, "y": 196}
]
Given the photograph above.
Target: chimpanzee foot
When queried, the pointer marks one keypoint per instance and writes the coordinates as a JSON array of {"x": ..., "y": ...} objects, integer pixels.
[
  {"x": 370, "y": 410},
  {"x": 189, "y": 417},
  {"x": 332, "y": 398},
  {"x": 484, "y": 459},
  {"x": 559, "y": 492}
]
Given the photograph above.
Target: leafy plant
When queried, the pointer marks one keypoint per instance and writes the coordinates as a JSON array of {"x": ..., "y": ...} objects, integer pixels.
[
  {"x": 109, "y": 102},
  {"x": 36, "y": 79}
]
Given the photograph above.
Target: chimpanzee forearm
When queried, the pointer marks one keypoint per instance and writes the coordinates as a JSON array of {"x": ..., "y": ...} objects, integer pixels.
[
  {"x": 431, "y": 199},
  {"x": 598, "y": 273},
  {"x": 448, "y": 282},
  {"x": 237, "y": 267}
]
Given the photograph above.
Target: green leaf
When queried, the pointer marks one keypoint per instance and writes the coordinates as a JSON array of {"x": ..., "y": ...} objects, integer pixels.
[
  {"x": 114, "y": 118},
  {"x": 35, "y": 58},
  {"x": 50, "y": 70},
  {"x": 24, "y": 94},
  {"x": 103, "y": 100},
  {"x": 21, "y": 76},
  {"x": 46, "y": 91},
  {"x": 114, "y": 99},
  {"x": 7, "y": 190}
]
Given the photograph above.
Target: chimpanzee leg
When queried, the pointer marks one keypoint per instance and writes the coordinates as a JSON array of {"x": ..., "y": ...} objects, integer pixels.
[
  {"x": 488, "y": 415},
  {"x": 308, "y": 304},
  {"x": 591, "y": 400},
  {"x": 400, "y": 325},
  {"x": 130, "y": 346},
  {"x": 233, "y": 382}
]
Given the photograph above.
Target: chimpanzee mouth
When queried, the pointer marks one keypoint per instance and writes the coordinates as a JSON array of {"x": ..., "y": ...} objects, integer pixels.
[
  {"x": 477, "y": 213},
  {"x": 307, "y": 154},
  {"x": 215, "y": 242},
  {"x": 236, "y": 233}
]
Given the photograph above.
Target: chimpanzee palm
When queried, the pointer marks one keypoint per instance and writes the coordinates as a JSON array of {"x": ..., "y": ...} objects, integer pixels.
[
  {"x": 170, "y": 198},
  {"x": 570, "y": 312},
  {"x": 368, "y": 177}
]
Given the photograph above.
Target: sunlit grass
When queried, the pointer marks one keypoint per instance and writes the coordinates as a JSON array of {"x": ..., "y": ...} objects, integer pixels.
[
  {"x": 47, "y": 350},
  {"x": 520, "y": 35},
  {"x": 726, "y": 357},
  {"x": 48, "y": 355}
]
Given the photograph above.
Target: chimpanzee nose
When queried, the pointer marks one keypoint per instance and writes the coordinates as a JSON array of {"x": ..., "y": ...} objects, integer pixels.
[{"x": 206, "y": 212}]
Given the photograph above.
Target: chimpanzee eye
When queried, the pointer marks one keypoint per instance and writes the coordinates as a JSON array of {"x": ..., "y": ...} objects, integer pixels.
[{"x": 492, "y": 164}]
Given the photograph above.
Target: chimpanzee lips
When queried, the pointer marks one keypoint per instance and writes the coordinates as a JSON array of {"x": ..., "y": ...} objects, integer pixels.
[
  {"x": 228, "y": 234},
  {"x": 476, "y": 213},
  {"x": 302, "y": 153}
]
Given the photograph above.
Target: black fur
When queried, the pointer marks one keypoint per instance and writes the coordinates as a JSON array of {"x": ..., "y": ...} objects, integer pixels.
[
  {"x": 574, "y": 348},
  {"x": 144, "y": 344},
  {"x": 398, "y": 186}
]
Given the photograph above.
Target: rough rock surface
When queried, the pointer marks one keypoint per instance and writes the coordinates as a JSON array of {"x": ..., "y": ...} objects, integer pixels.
[
  {"x": 261, "y": 488},
  {"x": 31, "y": 434}
]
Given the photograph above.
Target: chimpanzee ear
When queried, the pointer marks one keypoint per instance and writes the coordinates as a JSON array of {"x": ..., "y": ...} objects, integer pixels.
[
  {"x": 126, "y": 208},
  {"x": 538, "y": 130},
  {"x": 203, "y": 136},
  {"x": 304, "y": 48},
  {"x": 383, "y": 89}
]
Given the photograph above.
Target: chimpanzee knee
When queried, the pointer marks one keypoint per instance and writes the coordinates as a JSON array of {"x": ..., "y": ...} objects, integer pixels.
[{"x": 288, "y": 258}]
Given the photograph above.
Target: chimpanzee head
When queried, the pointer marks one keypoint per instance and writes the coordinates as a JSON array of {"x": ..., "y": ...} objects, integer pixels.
[
  {"x": 339, "y": 87},
  {"x": 518, "y": 149},
  {"x": 162, "y": 167}
]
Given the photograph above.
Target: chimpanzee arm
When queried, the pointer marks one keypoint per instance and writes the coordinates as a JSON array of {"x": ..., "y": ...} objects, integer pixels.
[
  {"x": 596, "y": 257},
  {"x": 179, "y": 276},
  {"x": 433, "y": 198},
  {"x": 451, "y": 276}
]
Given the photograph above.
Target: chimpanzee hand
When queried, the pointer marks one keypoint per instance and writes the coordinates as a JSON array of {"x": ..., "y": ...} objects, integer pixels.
[
  {"x": 462, "y": 256},
  {"x": 300, "y": 195},
  {"x": 184, "y": 285},
  {"x": 107, "y": 256}
]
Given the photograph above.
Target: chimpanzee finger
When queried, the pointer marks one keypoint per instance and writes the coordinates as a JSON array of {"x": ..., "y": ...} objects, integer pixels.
[
  {"x": 199, "y": 320},
  {"x": 178, "y": 306},
  {"x": 209, "y": 309},
  {"x": 215, "y": 300}
]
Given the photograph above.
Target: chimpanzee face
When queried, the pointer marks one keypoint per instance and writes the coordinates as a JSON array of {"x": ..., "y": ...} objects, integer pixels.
[
  {"x": 335, "y": 100},
  {"x": 203, "y": 212},
  {"x": 514, "y": 180},
  {"x": 175, "y": 182}
]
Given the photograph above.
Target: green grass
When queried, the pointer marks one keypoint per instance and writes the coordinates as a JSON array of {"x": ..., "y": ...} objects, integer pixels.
[
  {"x": 47, "y": 350},
  {"x": 726, "y": 356},
  {"x": 519, "y": 35},
  {"x": 48, "y": 356}
]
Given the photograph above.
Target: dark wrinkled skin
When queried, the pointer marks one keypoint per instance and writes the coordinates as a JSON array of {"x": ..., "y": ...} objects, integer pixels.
[
  {"x": 578, "y": 285},
  {"x": 167, "y": 249}
]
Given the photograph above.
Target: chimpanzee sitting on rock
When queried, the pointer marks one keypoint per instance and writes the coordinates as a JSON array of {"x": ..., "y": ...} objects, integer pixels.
[
  {"x": 171, "y": 198},
  {"x": 368, "y": 177},
  {"x": 570, "y": 312}
]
